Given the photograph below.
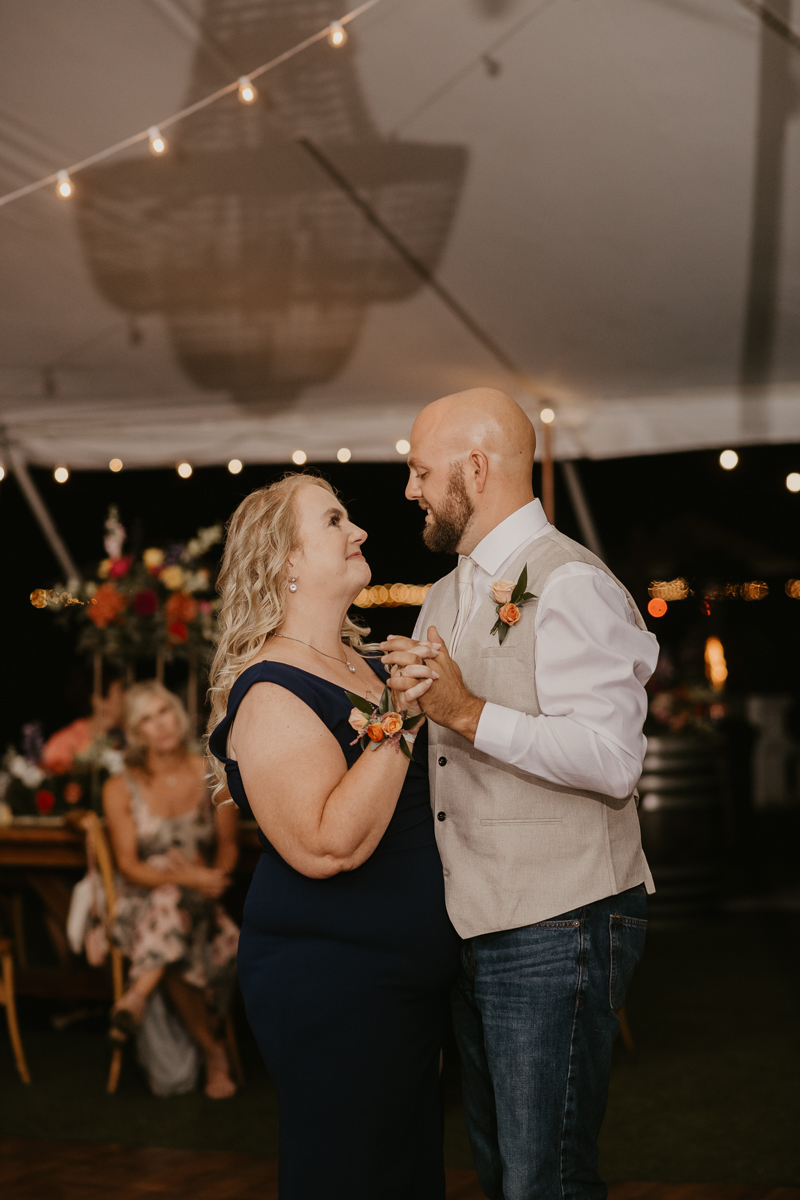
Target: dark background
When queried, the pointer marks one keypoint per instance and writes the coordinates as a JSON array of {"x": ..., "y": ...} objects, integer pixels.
[{"x": 658, "y": 517}]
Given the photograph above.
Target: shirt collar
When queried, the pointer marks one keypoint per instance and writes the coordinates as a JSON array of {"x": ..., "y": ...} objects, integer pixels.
[{"x": 510, "y": 535}]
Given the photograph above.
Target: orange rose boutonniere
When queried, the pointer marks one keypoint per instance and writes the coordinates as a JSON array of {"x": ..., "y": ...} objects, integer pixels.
[{"x": 508, "y": 599}]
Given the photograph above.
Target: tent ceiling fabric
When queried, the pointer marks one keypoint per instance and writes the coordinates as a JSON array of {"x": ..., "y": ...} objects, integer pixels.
[{"x": 579, "y": 173}]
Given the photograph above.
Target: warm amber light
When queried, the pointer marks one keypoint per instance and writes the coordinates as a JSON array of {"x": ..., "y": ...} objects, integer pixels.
[
  {"x": 669, "y": 589},
  {"x": 792, "y": 585},
  {"x": 344, "y": 454},
  {"x": 402, "y": 447},
  {"x": 793, "y": 481},
  {"x": 247, "y": 93},
  {"x": 61, "y": 474},
  {"x": 547, "y": 415},
  {"x": 728, "y": 460},
  {"x": 158, "y": 144},
  {"x": 2, "y": 472},
  {"x": 756, "y": 590},
  {"x": 299, "y": 457},
  {"x": 63, "y": 187},
  {"x": 716, "y": 667},
  {"x": 235, "y": 466},
  {"x": 657, "y": 607},
  {"x": 184, "y": 469},
  {"x": 115, "y": 465},
  {"x": 337, "y": 34}
]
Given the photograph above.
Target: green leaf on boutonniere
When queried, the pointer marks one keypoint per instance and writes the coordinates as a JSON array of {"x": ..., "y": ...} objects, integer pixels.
[
  {"x": 527, "y": 596},
  {"x": 520, "y": 586},
  {"x": 360, "y": 703},
  {"x": 502, "y": 631},
  {"x": 410, "y": 722},
  {"x": 385, "y": 702},
  {"x": 405, "y": 750},
  {"x": 498, "y": 625}
]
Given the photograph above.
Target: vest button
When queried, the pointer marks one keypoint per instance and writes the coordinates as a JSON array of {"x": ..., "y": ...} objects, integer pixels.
[
  {"x": 440, "y": 816},
  {"x": 442, "y": 761}
]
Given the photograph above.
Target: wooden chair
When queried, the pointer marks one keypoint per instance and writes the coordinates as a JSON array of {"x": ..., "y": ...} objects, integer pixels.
[
  {"x": 8, "y": 999},
  {"x": 93, "y": 827}
]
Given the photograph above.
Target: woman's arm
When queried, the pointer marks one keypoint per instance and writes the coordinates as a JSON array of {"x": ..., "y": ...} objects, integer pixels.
[
  {"x": 320, "y": 817},
  {"x": 122, "y": 832}
]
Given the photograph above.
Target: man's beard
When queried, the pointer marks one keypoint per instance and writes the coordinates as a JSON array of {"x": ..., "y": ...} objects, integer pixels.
[{"x": 445, "y": 530}]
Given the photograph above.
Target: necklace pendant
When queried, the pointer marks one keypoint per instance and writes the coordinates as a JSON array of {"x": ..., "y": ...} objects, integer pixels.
[{"x": 351, "y": 668}]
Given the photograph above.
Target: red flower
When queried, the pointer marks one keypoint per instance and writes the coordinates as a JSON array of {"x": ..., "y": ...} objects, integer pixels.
[
  {"x": 120, "y": 566},
  {"x": 44, "y": 801},
  {"x": 145, "y": 602},
  {"x": 177, "y": 631}
]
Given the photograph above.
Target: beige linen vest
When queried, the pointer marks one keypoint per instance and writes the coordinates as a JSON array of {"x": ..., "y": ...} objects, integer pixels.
[{"x": 515, "y": 848}]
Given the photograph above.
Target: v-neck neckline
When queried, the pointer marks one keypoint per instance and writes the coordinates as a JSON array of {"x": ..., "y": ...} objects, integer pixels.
[{"x": 312, "y": 675}]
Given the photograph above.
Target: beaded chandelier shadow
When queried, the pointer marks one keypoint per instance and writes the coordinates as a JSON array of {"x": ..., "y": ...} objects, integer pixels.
[{"x": 262, "y": 268}]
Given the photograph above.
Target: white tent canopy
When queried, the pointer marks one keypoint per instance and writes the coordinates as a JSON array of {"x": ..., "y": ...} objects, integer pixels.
[{"x": 581, "y": 175}]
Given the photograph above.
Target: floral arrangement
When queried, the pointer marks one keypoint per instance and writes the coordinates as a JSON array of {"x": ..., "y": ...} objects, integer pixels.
[
  {"x": 26, "y": 789},
  {"x": 508, "y": 600},
  {"x": 379, "y": 723},
  {"x": 160, "y": 603}
]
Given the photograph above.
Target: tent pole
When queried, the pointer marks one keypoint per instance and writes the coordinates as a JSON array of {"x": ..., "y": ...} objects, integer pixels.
[
  {"x": 581, "y": 507},
  {"x": 42, "y": 514},
  {"x": 548, "y": 480}
]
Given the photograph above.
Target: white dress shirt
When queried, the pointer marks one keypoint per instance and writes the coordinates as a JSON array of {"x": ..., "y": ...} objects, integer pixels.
[{"x": 592, "y": 662}]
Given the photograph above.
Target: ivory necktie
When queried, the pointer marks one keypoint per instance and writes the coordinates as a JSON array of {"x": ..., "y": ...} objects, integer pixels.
[{"x": 464, "y": 572}]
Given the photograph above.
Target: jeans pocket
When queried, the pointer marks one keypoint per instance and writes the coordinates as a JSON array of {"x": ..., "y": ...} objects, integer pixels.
[{"x": 627, "y": 936}]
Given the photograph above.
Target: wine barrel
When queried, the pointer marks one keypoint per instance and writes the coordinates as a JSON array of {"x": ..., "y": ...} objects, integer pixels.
[{"x": 682, "y": 821}]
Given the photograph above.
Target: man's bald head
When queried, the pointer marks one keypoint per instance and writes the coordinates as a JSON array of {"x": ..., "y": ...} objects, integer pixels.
[
  {"x": 471, "y": 465},
  {"x": 479, "y": 419}
]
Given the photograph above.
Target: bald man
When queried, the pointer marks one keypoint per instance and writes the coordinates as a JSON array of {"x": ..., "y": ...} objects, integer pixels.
[{"x": 536, "y": 747}]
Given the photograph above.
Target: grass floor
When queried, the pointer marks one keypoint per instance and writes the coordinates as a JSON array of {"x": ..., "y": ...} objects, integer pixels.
[{"x": 709, "y": 1095}]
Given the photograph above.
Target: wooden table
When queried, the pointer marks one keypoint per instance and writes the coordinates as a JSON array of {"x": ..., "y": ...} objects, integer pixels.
[{"x": 41, "y": 853}]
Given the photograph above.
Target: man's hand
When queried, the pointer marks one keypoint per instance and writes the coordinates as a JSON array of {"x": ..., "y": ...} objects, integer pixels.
[{"x": 447, "y": 701}]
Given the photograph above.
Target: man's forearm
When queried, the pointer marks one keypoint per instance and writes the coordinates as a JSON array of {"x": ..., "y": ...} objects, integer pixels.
[{"x": 464, "y": 720}]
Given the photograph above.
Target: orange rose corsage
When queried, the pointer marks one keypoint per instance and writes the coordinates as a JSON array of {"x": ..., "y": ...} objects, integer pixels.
[
  {"x": 378, "y": 723},
  {"x": 508, "y": 599}
]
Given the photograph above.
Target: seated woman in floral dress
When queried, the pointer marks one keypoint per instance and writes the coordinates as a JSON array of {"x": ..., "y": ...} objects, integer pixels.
[{"x": 175, "y": 852}]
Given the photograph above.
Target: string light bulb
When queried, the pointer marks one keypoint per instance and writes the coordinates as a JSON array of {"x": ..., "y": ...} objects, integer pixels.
[
  {"x": 344, "y": 454},
  {"x": 115, "y": 465},
  {"x": 61, "y": 474},
  {"x": 64, "y": 185},
  {"x": 2, "y": 472},
  {"x": 184, "y": 469},
  {"x": 337, "y": 34},
  {"x": 793, "y": 481},
  {"x": 247, "y": 93},
  {"x": 158, "y": 143},
  {"x": 299, "y": 457},
  {"x": 235, "y": 466},
  {"x": 728, "y": 459},
  {"x": 402, "y": 447},
  {"x": 547, "y": 416}
]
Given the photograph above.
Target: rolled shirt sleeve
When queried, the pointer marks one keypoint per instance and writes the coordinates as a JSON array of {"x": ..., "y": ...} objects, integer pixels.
[{"x": 592, "y": 662}]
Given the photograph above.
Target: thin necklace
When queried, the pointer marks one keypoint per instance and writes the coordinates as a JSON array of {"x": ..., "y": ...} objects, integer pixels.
[{"x": 333, "y": 657}]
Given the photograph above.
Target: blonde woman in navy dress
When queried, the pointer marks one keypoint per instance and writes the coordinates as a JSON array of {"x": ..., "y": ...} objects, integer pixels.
[{"x": 346, "y": 955}]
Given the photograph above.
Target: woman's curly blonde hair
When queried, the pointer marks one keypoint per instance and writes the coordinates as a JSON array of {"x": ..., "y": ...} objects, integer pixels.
[{"x": 252, "y": 584}]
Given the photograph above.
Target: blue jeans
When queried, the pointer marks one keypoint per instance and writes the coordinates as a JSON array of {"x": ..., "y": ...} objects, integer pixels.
[{"x": 535, "y": 1016}]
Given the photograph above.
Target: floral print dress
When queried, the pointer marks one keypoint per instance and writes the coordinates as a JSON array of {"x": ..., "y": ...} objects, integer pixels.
[{"x": 172, "y": 925}]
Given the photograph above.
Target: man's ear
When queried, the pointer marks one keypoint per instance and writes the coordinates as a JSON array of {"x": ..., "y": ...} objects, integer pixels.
[{"x": 478, "y": 468}]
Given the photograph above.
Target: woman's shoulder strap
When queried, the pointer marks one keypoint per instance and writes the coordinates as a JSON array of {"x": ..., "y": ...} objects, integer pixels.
[{"x": 308, "y": 688}]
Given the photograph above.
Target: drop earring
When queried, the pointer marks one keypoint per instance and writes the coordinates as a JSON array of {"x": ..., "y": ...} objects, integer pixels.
[{"x": 292, "y": 583}]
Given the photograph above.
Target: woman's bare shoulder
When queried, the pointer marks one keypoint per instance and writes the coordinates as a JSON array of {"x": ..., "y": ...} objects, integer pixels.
[{"x": 116, "y": 792}]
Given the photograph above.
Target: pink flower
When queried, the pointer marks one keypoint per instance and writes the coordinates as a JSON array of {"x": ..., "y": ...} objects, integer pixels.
[
  {"x": 120, "y": 566},
  {"x": 205, "y": 608},
  {"x": 358, "y": 720},
  {"x": 501, "y": 590}
]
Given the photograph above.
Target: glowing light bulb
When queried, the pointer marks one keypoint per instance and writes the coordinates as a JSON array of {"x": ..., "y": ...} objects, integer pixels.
[
  {"x": 728, "y": 460},
  {"x": 184, "y": 469},
  {"x": 793, "y": 481},
  {"x": 235, "y": 466},
  {"x": 337, "y": 34},
  {"x": 64, "y": 185},
  {"x": 547, "y": 416},
  {"x": 657, "y": 607},
  {"x": 61, "y": 474},
  {"x": 2, "y": 472},
  {"x": 158, "y": 144},
  {"x": 716, "y": 667},
  {"x": 402, "y": 447},
  {"x": 247, "y": 93},
  {"x": 344, "y": 454},
  {"x": 299, "y": 457},
  {"x": 115, "y": 465}
]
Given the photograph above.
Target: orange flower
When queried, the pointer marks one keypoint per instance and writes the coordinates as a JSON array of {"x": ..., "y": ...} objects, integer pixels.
[
  {"x": 375, "y": 732},
  {"x": 392, "y": 722},
  {"x": 509, "y": 614},
  {"x": 181, "y": 607},
  {"x": 108, "y": 604},
  {"x": 72, "y": 792}
]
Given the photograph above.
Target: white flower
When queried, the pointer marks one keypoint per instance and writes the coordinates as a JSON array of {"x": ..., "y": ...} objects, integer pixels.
[
  {"x": 24, "y": 770},
  {"x": 112, "y": 760},
  {"x": 196, "y": 581}
]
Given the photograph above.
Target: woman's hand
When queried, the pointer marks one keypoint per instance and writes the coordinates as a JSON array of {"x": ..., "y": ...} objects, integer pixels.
[
  {"x": 411, "y": 677},
  {"x": 210, "y": 882}
]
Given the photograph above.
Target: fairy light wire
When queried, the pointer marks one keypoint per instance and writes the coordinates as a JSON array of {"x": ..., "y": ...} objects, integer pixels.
[{"x": 144, "y": 134}]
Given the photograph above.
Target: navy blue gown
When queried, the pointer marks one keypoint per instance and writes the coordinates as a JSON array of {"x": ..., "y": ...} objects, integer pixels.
[{"x": 346, "y": 983}]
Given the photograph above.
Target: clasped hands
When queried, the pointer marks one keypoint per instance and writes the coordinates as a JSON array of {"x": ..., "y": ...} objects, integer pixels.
[{"x": 447, "y": 701}]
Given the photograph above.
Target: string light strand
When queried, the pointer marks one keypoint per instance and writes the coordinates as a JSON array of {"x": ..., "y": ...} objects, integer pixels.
[{"x": 144, "y": 135}]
